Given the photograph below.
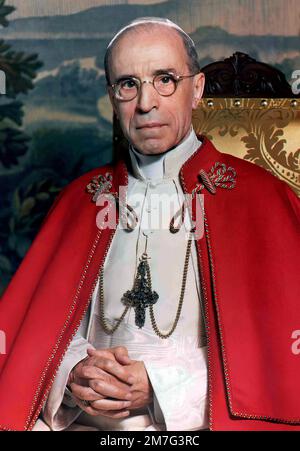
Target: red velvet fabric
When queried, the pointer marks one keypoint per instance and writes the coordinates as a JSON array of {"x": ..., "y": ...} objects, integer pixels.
[{"x": 248, "y": 265}]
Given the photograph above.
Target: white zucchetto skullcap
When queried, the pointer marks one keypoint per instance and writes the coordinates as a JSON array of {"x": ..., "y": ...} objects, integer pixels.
[{"x": 145, "y": 20}]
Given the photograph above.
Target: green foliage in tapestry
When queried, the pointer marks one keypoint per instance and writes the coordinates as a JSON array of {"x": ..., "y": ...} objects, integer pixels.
[{"x": 20, "y": 69}]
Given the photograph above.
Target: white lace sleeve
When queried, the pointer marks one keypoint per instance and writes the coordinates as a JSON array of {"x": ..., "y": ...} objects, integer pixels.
[{"x": 180, "y": 388}]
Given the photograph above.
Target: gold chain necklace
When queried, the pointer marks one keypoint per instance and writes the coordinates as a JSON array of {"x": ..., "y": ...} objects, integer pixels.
[{"x": 129, "y": 297}]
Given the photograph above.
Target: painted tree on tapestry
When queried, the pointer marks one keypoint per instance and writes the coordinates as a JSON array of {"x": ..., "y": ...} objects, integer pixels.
[
  {"x": 20, "y": 70},
  {"x": 51, "y": 131}
]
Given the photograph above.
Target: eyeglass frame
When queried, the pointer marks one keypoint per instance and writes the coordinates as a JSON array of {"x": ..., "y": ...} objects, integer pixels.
[{"x": 177, "y": 79}]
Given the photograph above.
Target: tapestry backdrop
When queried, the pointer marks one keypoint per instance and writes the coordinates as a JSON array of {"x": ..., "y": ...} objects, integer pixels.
[{"x": 55, "y": 118}]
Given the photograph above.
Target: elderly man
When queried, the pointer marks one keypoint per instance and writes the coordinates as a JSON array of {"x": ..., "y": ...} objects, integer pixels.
[{"x": 177, "y": 318}]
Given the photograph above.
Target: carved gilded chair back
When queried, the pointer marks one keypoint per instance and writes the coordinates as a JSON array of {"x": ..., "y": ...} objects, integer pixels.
[{"x": 263, "y": 131}]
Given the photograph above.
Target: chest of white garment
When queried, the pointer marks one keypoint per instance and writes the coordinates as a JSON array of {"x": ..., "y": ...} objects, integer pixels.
[{"x": 155, "y": 203}]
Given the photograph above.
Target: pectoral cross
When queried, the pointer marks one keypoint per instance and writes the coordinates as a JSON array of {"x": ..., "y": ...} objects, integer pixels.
[{"x": 141, "y": 296}]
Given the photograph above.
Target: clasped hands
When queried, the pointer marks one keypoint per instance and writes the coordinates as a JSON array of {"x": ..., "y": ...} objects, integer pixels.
[{"x": 109, "y": 383}]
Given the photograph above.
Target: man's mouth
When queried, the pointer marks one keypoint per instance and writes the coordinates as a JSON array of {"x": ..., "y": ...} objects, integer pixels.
[{"x": 150, "y": 125}]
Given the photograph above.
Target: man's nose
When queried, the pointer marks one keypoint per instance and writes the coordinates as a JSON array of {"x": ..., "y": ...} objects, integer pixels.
[{"x": 148, "y": 97}]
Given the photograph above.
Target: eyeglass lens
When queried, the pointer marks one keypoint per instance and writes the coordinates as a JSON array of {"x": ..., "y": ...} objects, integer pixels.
[{"x": 164, "y": 84}]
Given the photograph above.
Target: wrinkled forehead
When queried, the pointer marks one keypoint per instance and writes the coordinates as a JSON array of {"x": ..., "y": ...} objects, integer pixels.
[{"x": 155, "y": 47}]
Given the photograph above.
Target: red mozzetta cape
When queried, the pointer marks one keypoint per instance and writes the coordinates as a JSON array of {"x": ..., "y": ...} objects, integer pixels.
[{"x": 248, "y": 260}]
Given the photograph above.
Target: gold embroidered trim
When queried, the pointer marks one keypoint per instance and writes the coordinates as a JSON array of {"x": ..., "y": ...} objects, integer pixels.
[{"x": 207, "y": 324}]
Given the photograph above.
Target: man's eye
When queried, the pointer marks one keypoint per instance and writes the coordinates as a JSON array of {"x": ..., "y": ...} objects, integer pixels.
[
  {"x": 166, "y": 78},
  {"x": 128, "y": 84}
]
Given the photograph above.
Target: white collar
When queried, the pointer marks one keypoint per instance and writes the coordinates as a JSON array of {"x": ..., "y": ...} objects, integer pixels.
[{"x": 165, "y": 165}]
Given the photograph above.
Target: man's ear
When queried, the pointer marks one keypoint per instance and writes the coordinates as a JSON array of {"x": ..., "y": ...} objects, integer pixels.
[
  {"x": 199, "y": 82},
  {"x": 112, "y": 100}
]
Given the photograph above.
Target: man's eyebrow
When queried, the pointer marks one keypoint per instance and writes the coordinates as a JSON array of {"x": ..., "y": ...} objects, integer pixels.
[
  {"x": 163, "y": 71},
  {"x": 124, "y": 77},
  {"x": 156, "y": 72}
]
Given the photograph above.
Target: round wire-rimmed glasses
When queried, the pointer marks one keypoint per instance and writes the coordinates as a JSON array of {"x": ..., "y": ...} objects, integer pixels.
[{"x": 165, "y": 84}]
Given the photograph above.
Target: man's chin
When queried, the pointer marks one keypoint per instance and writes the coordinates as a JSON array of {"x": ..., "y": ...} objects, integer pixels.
[
  {"x": 152, "y": 151},
  {"x": 152, "y": 146}
]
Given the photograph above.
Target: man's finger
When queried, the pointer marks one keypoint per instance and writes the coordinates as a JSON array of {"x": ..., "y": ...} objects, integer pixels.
[
  {"x": 86, "y": 393},
  {"x": 100, "y": 353},
  {"x": 113, "y": 368},
  {"x": 119, "y": 352},
  {"x": 91, "y": 372},
  {"x": 105, "y": 413},
  {"x": 109, "y": 404},
  {"x": 121, "y": 355},
  {"x": 110, "y": 390},
  {"x": 86, "y": 408}
]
